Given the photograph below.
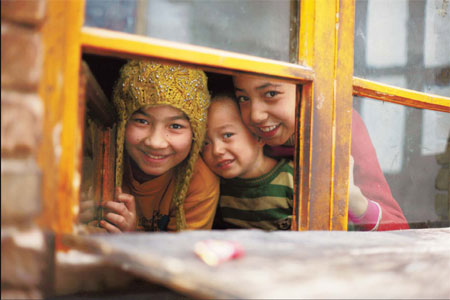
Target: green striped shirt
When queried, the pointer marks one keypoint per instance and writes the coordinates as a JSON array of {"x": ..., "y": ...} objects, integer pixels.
[{"x": 265, "y": 202}]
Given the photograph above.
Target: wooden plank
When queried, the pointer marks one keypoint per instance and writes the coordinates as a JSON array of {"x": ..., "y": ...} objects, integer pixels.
[
  {"x": 111, "y": 43},
  {"x": 327, "y": 44},
  {"x": 342, "y": 114},
  {"x": 303, "y": 160},
  {"x": 306, "y": 33},
  {"x": 109, "y": 162},
  {"x": 287, "y": 265},
  {"x": 60, "y": 153},
  {"x": 388, "y": 93},
  {"x": 322, "y": 147},
  {"x": 98, "y": 154}
]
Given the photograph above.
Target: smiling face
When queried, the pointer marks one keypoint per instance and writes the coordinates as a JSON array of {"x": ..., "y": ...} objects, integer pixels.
[
  {"x": 230, "y": 148},
  {"x": 267, "y": 107},
  {"x": 157, "y": 138}
]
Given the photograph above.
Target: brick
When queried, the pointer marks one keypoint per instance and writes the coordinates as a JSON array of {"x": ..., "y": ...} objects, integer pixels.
[
  {"x": 29, "y": 12},
  {"x": 27, "y": 258},
  {"x": 21, "y": 57},
  {"x": 20, "y": 191},
  {"x": 21, "y": 123}
]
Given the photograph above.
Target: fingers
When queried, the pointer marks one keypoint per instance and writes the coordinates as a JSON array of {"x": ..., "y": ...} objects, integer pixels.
[
  {"x": 116, "y": 207},
  {"x": 117, "y": 192},
  {"x": 128, "y": 200},
  {"x": 117, "y": 220},
  {"x": 109, "y": 227},
  {"x": 118, "y": 214}
]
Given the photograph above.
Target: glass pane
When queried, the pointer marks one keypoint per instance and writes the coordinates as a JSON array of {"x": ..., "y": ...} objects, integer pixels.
[
  {"x": 261, "y": 28},
  {"x": 413, "y": 149},
  {"x": 404, "y": 38}
]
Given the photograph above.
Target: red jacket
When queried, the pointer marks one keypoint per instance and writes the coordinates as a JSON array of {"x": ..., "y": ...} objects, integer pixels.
[
  {"x": 367, "y": 176},
  {"x": 370, "y": 179}
]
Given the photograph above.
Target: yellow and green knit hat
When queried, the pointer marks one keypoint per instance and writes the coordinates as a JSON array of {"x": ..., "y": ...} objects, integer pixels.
[{"x": 142, "y": 83}]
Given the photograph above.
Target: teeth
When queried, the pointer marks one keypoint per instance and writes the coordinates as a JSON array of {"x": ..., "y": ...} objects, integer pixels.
[
  {"x": 267, "y": 129},
  {"x": 154, "y": 156},
  {"x": 224, "y": 163}
]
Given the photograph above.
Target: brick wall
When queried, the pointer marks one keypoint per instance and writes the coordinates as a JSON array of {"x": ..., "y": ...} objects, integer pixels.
[{"x": 27, "y": 254}]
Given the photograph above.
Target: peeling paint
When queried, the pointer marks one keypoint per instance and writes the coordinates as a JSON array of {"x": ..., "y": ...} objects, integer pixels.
[
  {"x": 56, "y": 138},
  {"x": 320, "y": 101}
]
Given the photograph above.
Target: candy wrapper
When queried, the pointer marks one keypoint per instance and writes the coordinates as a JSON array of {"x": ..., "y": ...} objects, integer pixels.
[{"x": 214, "y": 252}]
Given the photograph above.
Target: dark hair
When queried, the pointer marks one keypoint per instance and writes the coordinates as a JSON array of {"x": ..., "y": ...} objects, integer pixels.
[{"x": 220, "y": 84}]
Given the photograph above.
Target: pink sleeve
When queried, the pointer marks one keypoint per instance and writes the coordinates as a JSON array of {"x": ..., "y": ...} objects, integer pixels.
[
  {"x": 370, "y": 179},
  {"x": 370, "y": 220}
]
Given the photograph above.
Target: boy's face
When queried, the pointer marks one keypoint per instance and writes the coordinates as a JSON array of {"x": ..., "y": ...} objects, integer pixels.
[
  {"x": 158, "y": 138},
  {"x": 230, "y": 149},
  {"x": 267, "y": 107}
]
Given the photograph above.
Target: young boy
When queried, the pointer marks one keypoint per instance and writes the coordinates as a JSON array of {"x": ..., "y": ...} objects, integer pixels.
[
  {"x": 162, "y": 112},
  {"x": 256, "y": 190},
  {"x": 268, "y": 109}
]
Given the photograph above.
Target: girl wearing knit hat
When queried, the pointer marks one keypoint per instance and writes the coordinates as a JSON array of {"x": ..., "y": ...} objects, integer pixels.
[{"x": 161, "y": 181}]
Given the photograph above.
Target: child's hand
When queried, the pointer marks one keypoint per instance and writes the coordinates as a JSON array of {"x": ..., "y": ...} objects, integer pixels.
[
  {"x": 120, "y": 213},
  {"x": 357, "y": 203}
]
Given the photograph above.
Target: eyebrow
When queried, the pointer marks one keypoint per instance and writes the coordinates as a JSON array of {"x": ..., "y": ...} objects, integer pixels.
[
  {"x": 226, "y": 126},
  {"x": 261, "y": 87},
  {"x": 181, "y": 116}
]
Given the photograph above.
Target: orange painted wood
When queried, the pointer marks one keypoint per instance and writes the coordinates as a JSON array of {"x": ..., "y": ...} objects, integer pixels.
[
  {"x": 342, "y": 114},
  {"x": 323, "y": 113},
  {"x": 388, "y": 93},
  {"x": 98, "y": 157},
  {"x": 326, "y": 35},
  {"x": 303, "y": 160},
  {"x": 109, "y": 141},
  {"x": 60, "y": 153},
  {"x": 306, "y": 33},
  {"x": 111, "y": 43}
]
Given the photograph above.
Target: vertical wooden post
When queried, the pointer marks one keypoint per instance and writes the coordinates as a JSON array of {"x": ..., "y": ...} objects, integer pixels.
[
  {"x": 326, "y": 44},
  {"x": 60, "y": 153}
]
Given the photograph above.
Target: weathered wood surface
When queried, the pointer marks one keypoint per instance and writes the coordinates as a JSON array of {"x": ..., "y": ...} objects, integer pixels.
[{"x": 318, "y": 264}]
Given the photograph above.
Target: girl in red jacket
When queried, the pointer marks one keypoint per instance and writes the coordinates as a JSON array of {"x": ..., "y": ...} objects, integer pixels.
[{"x": 268, "y": 109}]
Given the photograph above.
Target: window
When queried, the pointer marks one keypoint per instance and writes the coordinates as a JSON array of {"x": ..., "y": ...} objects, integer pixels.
[
  {"x": 408, "y": 51},
  {"x": 322, "y": 66}
]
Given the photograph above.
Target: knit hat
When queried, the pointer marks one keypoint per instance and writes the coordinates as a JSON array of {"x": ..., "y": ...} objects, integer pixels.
[{"x": 142, "y": 83}]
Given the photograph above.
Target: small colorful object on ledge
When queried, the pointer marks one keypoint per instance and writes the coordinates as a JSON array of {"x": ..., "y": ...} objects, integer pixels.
[{"x": 214, "y": 252}]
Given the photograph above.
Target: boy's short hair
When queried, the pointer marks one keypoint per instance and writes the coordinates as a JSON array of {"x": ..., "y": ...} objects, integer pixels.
[
  {"x": 145, "y": 83},
  {"x": 224, "y": 94}
]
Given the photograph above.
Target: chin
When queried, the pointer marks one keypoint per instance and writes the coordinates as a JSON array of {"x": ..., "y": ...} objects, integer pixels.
[{"x": 227, "y": 175}]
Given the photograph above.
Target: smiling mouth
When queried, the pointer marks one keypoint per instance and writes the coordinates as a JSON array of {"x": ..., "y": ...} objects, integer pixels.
[
  {"x": 267, "y": 132},
  {"x": 268, "y": 128},
  {"x": 225, "y": 164},
  {"x": 153, "y": 156}
]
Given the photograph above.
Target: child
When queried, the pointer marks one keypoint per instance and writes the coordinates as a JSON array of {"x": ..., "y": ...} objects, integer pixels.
[
  {"x": 162, "y": 112},
  {"x": 256, "y": 190},
  {"x": 268, "y": 108}
]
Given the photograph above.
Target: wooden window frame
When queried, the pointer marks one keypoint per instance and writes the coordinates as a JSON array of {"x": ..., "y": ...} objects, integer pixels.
[{"x": 323, "y": 115}]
